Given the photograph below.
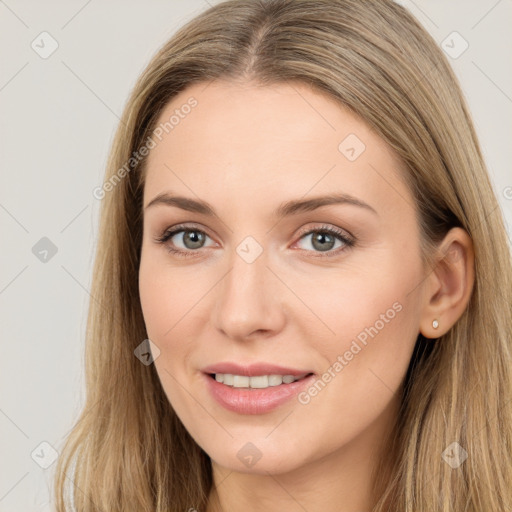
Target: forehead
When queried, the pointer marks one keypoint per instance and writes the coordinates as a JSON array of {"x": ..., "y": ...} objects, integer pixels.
[{"x": 243, "y": 143}]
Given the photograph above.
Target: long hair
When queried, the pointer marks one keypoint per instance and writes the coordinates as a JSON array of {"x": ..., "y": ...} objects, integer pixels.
[{"x": 128, "y": 451}]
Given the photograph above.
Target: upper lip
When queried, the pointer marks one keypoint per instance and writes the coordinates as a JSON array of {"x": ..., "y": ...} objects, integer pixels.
[{"x": 253, "y": 369}]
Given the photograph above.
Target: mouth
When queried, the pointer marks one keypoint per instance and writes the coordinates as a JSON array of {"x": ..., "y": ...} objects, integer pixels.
[
  {"x": 256, "y": 381},
  {"x": 256, "y": 389}
]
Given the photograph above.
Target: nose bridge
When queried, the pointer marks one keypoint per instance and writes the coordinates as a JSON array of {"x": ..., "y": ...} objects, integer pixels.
[{"x": 248, "y": 299}]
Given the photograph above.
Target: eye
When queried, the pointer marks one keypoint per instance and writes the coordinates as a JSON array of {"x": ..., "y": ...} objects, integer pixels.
[
  {"x": 183, "y": 240},
  {"x": 324, "y": 240},
  {"x": 186, "y": 240}
]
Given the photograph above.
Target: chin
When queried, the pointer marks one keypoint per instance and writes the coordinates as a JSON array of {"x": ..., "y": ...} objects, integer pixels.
[{"x": 258, "y": 457}]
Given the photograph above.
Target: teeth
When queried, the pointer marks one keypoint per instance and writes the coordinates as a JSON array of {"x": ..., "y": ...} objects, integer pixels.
[
  {"x": 240, "y": 381},
  {"x": 259, "y": 381},
  {"x": 275, "y": 380}
]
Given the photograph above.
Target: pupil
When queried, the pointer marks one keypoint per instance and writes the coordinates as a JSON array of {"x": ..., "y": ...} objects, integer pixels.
[
  {"x": 194, "y": 239},
  {"x": 322, "y": 238}
]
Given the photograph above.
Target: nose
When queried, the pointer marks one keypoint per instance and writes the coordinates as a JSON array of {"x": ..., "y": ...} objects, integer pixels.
[{"x": 249, "y": 300}]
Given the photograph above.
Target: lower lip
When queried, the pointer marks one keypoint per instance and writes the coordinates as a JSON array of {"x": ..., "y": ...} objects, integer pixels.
[{"x": 253, "y": 400}]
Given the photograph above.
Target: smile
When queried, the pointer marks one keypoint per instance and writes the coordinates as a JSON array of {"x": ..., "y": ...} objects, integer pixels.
[
  {"x": 254, "y": 389},
  {"x": 256, "y": 382}
]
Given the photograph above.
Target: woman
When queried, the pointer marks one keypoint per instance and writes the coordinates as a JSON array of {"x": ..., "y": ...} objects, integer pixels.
[{"x": 302, "y": 290}]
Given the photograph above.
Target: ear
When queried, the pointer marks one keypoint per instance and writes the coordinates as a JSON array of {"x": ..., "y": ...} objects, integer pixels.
[{"x": 449, "y": 285}]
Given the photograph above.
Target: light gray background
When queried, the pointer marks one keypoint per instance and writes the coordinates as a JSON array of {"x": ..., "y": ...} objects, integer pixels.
[{"x": 57, "y": 121}]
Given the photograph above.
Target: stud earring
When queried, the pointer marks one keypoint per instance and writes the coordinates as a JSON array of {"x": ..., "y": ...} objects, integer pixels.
[{"x": 435, "y": 324}]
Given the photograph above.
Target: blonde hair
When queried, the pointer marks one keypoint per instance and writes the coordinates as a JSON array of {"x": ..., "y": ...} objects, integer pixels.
[{"x": 128, "y": 450}]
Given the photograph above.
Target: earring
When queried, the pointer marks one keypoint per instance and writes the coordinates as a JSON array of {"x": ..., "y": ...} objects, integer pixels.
[{"x": 435, "y": 324}]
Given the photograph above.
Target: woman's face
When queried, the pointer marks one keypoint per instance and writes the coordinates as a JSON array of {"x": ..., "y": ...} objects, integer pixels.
[{"x": 297, "y": 254}]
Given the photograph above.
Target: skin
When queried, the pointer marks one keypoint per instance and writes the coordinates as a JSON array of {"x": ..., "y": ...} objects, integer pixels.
[{"x": 246, "y": 149}]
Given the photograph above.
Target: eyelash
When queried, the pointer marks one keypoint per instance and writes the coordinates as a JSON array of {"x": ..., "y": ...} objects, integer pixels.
[{"x": 340, "y": 235}]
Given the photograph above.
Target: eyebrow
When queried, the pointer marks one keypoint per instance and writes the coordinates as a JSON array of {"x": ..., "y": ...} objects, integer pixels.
[{"x": 292, "y": 207}]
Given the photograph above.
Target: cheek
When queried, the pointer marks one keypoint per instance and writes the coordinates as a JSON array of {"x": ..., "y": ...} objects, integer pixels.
[
  {"x": 154, "y": 300},
  {"x": 166, "y": 296},
  {"x": 171, "y": 300},
  {"x": 163, "y": 308},
  {"x": 352, "y": 305},
  {"x": 373, "y": 321},
  {"x": 365, "y": 363}
]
